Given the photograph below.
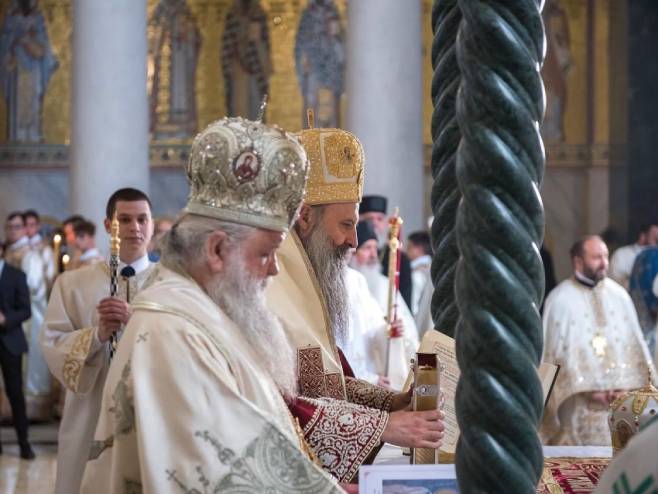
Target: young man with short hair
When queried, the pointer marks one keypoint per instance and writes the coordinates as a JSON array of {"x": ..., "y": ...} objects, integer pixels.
[{"x": 80, "y": 320}]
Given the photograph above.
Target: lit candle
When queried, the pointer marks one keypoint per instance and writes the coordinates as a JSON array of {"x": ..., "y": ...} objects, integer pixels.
[
  {"x": 65, "y": 261},
  {"x": 57, "y": 242}
]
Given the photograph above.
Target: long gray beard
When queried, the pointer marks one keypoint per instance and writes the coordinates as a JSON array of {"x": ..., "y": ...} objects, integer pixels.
[
  {"x": 329, "y": 264},
  {"x": 242, "y": 298}
]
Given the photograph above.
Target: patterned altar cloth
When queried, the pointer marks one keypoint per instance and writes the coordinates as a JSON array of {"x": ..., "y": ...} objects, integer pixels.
[
  {"x": 567, "y": 469},
  {"x": 570, "y": 475}
]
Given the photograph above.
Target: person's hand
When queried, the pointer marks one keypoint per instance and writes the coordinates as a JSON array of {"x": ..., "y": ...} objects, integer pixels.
[
  {"x": 402, "y": 400},
  {"x": 613, "y": 394},
  {"x": 415, "y": 429},
  {"x": 3, "y": 319},
  {"x": 600, "y": 397},
  {"x": 112, "y": 313},
  {"x": 397, "y": 328},
  {"x": 384, "y": 382},
  {"x": 350, "y": 488}
]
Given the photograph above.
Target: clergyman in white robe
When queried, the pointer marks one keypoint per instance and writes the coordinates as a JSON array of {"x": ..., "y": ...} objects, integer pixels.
[
  {"x": 77, "y": 358},
  {"x": 593, "y": 334},
  {"x": 188, "y": 408},
  {"x": 368, "y": 329}
]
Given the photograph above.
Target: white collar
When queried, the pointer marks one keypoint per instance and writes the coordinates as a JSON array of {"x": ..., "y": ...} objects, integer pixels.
[
  {"x": 425, "y": 260},
  {"x": 584, "y": 280},
  {"x": 90, "y": 254},
  {"x": 20, "y": 243},
  {"x": 138, "y": 265},
  {"x": 36, "y": 240}
]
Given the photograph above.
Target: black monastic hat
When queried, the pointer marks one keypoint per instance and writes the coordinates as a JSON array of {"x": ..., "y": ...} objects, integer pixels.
[
  {"x": 365, "y": 232},
  {"x": 373, "y": 204}
]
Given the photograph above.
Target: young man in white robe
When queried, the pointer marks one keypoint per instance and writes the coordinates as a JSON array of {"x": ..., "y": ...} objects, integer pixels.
[
  {"x": 592, "y": 332},
  {"x": 310, "y": 298},
  {"x": 80, "y": 319},
  {"x": 38, "y": 243},
  {"x": 194, "y": 401},
  {"x": 368, "y": 337},
  {"x": 39, "y": 383},
  {"x": 85, "y": 243}
]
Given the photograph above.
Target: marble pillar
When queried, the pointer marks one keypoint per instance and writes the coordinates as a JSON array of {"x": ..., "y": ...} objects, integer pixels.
[
  {"x": 109, "y": 134},
  {"x": 384, "y": 101}
]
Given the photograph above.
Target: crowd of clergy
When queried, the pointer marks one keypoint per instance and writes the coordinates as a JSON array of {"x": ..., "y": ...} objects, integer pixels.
[{"x": 249, "y": 343}]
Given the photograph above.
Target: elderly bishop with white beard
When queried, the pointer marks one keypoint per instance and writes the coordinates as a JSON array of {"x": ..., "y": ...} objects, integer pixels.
[{"x": 194, "y": 400}]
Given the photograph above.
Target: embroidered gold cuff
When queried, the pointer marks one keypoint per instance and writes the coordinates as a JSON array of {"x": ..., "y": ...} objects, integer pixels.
[
  {"x": 370, "y": 395},
  {"x": 75, "y": 359}
]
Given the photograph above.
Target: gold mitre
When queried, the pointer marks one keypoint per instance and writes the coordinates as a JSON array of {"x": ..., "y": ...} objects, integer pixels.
[
  {"x": 247, "y": 172},
  {"x": 337, "y": 165}
]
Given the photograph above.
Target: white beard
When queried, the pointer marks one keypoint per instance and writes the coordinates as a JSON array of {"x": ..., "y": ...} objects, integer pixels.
[
  {"x": 371, "y": 272},
  {"x": 242, "y": 298}
]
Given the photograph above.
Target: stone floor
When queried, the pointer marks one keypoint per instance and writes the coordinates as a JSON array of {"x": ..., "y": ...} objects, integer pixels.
[{"x": 29, "y": 477}]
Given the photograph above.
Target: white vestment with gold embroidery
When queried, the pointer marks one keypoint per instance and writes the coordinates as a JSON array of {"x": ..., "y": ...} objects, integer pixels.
[
  {"x": 593, "y": 334},
  {"x": 76, "y": 357},
  {"x": 188, "y": 408}
]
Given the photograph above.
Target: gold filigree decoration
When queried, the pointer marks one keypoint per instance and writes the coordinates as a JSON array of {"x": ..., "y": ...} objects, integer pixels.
[
  {"x": 370, "y": 395},
  {"x": 343, "y": 435},
  {"x": 74, "y": 361}
]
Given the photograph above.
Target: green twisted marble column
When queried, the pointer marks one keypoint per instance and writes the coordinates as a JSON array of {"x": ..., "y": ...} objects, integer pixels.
[
  {"x": 500, "y": 221},
  {"x": 445, "y": 138}
]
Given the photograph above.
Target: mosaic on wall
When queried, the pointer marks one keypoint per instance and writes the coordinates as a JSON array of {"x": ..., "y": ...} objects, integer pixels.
[
  {"x": 206, "y": 59},
  {"x": 211, "y": 58}
]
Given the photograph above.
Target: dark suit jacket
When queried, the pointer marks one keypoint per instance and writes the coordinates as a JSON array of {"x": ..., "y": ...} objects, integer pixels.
[{"x": 15, "y": 305}]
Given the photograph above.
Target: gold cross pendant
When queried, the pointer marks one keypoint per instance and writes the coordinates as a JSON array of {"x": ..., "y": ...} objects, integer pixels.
[{"x": 599, "y": 343}]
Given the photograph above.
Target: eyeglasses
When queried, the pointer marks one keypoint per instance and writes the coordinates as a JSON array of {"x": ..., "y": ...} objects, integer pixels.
[{"x": 15, "y": 226}]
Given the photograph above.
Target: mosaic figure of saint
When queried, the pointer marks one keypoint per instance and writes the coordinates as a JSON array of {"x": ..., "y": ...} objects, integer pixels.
[
  {"x": 556, "y": 68},
  {"x": 26, "y": 65},
  {"x": 320, "y": 61},
  {"x": 174, "y": 44},
  {"x": 245, "y": 58}
]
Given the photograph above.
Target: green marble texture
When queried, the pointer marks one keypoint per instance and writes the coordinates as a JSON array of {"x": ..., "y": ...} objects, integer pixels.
[
  {"x": 499, "y": 281},
  {"x": 445, "y": 197}
]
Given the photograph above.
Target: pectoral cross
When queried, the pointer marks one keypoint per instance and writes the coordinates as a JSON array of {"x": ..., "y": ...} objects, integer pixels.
[{"x": 599, "y": 343}]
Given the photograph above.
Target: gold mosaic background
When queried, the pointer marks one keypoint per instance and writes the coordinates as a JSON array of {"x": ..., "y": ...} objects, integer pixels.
[
  {"x": 285, "y": 98},
  {"x": 56, "y": 107}
]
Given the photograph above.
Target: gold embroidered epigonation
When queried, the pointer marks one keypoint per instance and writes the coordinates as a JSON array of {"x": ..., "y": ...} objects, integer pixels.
[{"x": 343, "y": 435}]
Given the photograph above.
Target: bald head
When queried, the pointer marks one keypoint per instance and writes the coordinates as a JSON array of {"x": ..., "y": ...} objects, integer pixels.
[{"x": 589, "y": 256}]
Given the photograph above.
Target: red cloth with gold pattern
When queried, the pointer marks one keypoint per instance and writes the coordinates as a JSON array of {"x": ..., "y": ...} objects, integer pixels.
[
  {"x": 343, "y": 434},
  {"x": 571, "y": 475}
]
